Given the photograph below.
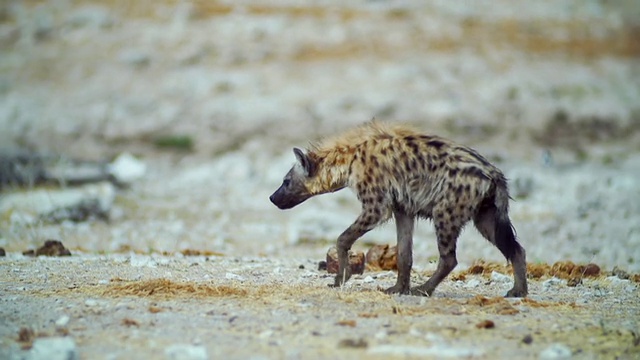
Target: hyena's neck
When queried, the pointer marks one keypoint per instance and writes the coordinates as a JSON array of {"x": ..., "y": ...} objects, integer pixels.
[{"x": 332, "y": 173}]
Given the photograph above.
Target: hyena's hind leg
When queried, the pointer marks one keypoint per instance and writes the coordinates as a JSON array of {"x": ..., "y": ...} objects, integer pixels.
[
  {"x": 500, "y": 233},
  {"x": 404, "y": 230},
  {"x": 447, "y": 233}
]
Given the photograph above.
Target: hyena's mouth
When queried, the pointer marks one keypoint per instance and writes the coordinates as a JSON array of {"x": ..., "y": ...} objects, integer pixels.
[{"x": 286, "y": 201}]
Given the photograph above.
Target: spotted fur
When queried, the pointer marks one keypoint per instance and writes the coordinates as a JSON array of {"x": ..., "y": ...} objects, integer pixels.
[{"x": 402, "y": 173}]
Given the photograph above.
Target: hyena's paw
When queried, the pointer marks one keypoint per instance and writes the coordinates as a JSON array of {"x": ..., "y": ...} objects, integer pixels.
[
  {"x": 339, "y": 281},
  {"x": 398, "y": 289},
  {"x": 422, "y": 291},
  {"x": 517, "y": 292},
  {"x": 341, "y": 278}
]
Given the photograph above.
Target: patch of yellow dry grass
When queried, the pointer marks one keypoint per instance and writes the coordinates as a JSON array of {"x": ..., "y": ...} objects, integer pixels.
[{"x": 168, "y": 288}]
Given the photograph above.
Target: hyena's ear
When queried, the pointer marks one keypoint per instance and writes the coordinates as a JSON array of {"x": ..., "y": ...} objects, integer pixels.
[{"x": 308, "y": 164}]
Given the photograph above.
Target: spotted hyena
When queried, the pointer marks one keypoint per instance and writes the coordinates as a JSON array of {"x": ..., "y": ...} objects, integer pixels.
[{"x": 400, "y": 172}]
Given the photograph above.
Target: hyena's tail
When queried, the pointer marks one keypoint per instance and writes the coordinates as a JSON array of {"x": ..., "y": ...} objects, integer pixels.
[{"x": 505, "y": 235}]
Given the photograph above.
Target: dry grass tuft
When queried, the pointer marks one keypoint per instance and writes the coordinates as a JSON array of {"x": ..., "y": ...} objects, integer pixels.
[
  {"x": 562, "y": 269},
  {"x": 168, "y": 288},
  {"x": 497, "y": 305}
]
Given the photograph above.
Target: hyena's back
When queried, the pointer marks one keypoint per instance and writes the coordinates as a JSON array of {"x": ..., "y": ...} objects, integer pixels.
[{"x": 414, "y": 173}]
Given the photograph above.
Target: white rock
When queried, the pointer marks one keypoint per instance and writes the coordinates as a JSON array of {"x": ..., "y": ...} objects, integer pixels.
[
  {"x": 582, "y": 301},
  {"x": 142, "y": 261},
  {"x": 134, "y": 58},
  {"x": 616, "y": 281},
  {"x": 433, "y": 337},
  {"x": 550, "y": 283},
  {"x": 91, "y": 302},
  {"x": 415, "y": 332},
  {"x": 232, "y": 276},
  {"x": 368, "y": 279},
  {"x": 53, "y": 348},
  {"x": 126, "y": 168},
  {"x": 91, "y": 16},
  {"x": 499, "y": 277},
  {"x": 437, "y": 351},
  {"x": 186, "y": 352},
  {"x": 21, "y": 218},
  {"x": 556, "y": 351},
  {"x": 62, "y": 321},
  {"x": 472, "y": 283},
  {"x": 35, "y": 203},
  {"x": 386, "y": 275},
  {"x": 381, "y": 335}
]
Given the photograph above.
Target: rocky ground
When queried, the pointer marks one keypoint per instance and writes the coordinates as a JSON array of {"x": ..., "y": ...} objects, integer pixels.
[{"x": 190, "y": 260}]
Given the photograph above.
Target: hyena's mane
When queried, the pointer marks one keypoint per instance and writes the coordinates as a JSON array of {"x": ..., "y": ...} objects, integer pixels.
[{"x": 354, "y": 137}]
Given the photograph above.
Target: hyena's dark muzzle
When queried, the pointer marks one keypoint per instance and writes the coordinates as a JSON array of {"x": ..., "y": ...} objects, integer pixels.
[{"x": 286, "y": 198}]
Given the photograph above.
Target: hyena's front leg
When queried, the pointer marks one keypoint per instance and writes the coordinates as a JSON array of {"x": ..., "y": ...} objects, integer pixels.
[
  {"x": 404, "y": 230},
  {"x": 367, "y": 220}
]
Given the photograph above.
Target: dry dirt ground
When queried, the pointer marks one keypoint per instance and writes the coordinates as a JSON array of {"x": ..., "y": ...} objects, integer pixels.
[
  {"x": 211, "y": 95},
  {"x": 140, "y": 306}
]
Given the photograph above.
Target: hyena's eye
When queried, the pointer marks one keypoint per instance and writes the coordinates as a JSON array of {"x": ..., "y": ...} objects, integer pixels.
[{"x": 286, "y": 182}]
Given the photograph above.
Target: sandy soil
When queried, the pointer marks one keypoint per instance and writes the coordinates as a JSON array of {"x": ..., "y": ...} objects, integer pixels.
[
  {"x": 133, "y": 306},
  {"x": 211, "y": 96}
]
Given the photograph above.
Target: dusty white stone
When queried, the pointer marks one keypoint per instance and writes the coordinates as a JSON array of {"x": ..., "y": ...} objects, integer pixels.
[
  {"x": 556, "y": 351},
  {"x": 142, "y": 261},
  {"x": 616, "y": 281},
  {"x": 553, "y": 282},
  {"x": 472, "y": 283},
  {"x": 134, "y": 58},
  {"x": 35, "y": 203},
  {"x": 91, "y": 16},
  {"x": 53, "y": 348},
  {"x": 186, "y": 352},
  {"x": 436, "y": 351},
  {"x": 126, "y": 168},
  {"x": 62, "y": 321},
  {"x": 232, "y": 276},
  {"x": 499, "y": 277},
  {"x": 381, "y": 335}
]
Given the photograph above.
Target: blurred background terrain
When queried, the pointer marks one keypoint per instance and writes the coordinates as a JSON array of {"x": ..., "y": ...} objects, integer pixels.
[{"x": 212, "y": 95}]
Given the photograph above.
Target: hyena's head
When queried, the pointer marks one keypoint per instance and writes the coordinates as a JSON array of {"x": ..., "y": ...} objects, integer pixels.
[{"x": 294, "y": 189}]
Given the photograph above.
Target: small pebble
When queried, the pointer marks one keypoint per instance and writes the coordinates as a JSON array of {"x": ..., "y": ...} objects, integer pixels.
[
  {"x": 617, "y": 281},
  {"x": 232, "y": 276},
  {"x": 500, "y": 278},
  {"x": 186, "y": 352},
  {"x": 62, "y": 321},
  {"x": 54, "y": 348},
  {"x": 472, "y": 283},
  {"x": 353, "y": 343},
  {"x": 554, "y": 281},
  {"x": 556, "y": 351}
]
